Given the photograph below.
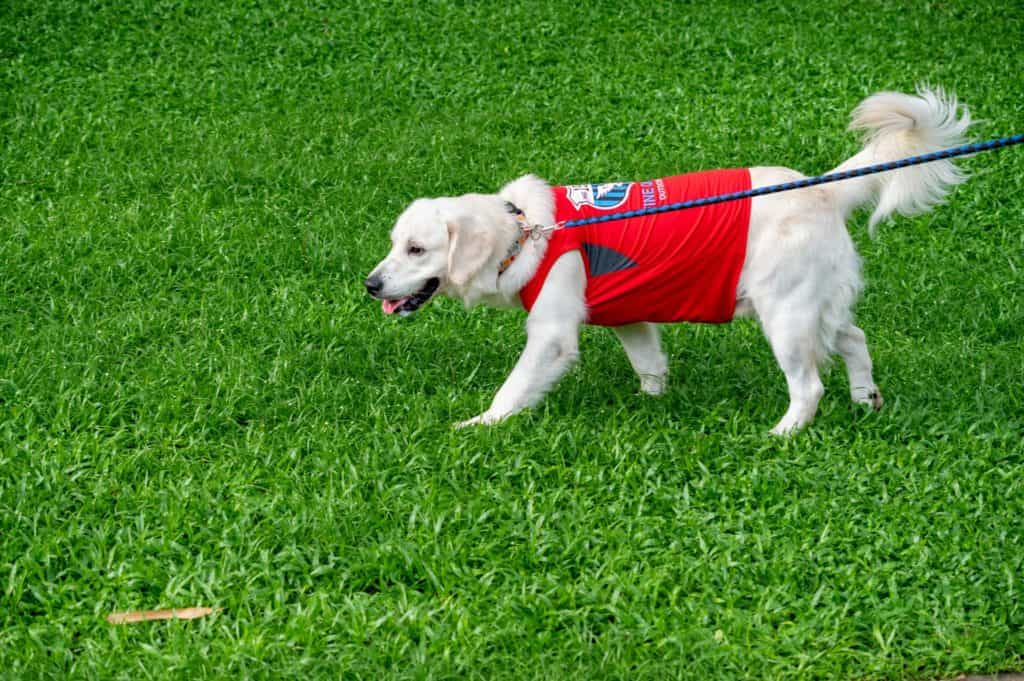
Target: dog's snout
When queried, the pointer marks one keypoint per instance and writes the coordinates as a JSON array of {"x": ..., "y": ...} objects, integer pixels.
[{"x": 373, "y": 284}]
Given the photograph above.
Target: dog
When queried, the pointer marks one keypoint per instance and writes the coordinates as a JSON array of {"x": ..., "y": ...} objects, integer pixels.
[{"x": 785, "y": 259}]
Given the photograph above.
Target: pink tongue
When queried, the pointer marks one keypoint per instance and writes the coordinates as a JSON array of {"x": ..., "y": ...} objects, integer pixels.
[{"x": 389, "y": 306}]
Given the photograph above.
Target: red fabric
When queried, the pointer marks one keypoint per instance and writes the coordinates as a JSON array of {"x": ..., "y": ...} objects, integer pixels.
[{"x": 687, "y": 262}]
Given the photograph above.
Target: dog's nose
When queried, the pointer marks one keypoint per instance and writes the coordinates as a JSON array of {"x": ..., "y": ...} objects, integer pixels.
[{"x": 373, "y": 284}]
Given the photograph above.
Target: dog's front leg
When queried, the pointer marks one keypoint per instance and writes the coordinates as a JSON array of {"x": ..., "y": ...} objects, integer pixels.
[
  {"x": 549, "y": 353},
  {"x": 642, "y": 343},
  {"x": 552, "y": 342}
]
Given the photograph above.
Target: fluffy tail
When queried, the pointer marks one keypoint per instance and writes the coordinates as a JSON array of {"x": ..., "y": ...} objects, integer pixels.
[{"x": 896, "y": 125}]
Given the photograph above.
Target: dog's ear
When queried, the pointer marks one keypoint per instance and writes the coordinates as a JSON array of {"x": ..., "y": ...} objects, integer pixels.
[{"x": 468, "y": 249}]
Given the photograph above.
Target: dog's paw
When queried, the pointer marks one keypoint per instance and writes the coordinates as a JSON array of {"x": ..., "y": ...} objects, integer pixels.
[
  {"x": 867, "y": 395},
  {"x": 785, "y": 429},
  {"x": 484, "y": 419},
  {"x": 791, "y": 424},
  {"x": 653, "y": 385}
]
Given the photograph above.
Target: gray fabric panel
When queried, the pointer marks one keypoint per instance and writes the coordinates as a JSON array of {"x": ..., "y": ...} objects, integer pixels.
[{"x": 604, "y": 260}]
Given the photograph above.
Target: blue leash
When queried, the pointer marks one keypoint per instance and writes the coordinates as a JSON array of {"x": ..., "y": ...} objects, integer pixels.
[{"x": 806, "y": 182}]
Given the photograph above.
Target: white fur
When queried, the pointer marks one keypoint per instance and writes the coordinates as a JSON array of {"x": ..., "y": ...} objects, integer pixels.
[{"x": 800, "y": 278}]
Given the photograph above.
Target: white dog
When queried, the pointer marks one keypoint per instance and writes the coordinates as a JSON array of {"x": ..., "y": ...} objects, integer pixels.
[{"x": 793, "y": 267}]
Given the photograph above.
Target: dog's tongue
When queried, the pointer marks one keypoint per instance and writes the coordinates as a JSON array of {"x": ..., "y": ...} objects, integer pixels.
[{"x": 389, "y": 306}]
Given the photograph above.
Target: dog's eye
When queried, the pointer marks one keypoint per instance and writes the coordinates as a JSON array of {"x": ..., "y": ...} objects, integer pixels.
[{"x": 416, "y": 250}]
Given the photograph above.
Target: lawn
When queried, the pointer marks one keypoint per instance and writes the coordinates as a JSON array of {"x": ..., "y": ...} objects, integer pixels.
[{"x": 199, "y": 405}]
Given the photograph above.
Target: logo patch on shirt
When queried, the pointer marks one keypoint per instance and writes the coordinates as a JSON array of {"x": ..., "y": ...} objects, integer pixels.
[{"x": 602, "y": 196}]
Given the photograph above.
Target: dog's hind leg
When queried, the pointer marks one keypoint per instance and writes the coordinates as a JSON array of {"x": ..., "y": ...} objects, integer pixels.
[
  {"x": 642, "y": 343},
  {"x": 852, "y": 346},
  {"x": 792, "y": 324},
  {"x": 795, "y": 350}
]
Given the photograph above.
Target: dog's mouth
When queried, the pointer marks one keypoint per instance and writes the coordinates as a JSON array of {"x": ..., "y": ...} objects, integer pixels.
[{"x": 409, "y": 304}]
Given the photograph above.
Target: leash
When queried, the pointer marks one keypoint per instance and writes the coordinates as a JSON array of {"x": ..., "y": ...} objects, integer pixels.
[{"x": 536, "y": 231}]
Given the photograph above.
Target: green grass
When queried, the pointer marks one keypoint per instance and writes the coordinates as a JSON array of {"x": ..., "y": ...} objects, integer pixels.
[{"x": 200, "y": 406}]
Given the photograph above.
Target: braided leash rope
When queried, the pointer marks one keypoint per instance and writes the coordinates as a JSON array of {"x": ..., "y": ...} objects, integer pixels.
[{"x": 799, "y": 184}]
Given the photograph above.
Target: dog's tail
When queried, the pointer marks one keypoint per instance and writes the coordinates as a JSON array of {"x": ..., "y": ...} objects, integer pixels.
[{"x": 898, "y": 125}]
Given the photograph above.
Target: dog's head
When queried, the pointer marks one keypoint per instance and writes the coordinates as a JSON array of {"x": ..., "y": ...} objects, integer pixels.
[{"x": 440, "y": 246}]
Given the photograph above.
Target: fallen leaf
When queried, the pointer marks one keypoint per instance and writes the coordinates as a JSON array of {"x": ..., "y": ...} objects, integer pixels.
[{"x": 151, "y": 615}]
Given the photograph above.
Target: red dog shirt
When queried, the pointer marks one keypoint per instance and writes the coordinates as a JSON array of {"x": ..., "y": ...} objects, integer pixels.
[{"x": 671, "y": 267}]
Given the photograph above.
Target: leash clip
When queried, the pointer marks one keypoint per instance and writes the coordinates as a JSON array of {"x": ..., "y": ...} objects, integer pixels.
[{"x": 537, "y": 232}]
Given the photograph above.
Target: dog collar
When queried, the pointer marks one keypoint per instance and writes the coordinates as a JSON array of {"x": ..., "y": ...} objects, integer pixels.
[{"x": 517, "y": 246}]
